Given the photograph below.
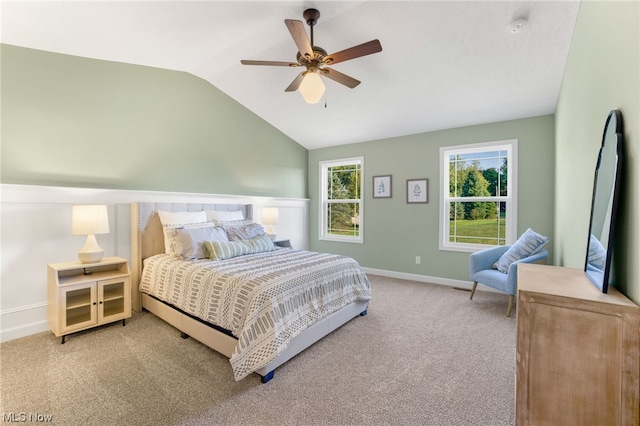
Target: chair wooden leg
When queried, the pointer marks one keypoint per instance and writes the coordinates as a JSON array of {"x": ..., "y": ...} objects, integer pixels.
[
  {"x": 510, "y": 308},
  {"x": 473, "y": 289}
]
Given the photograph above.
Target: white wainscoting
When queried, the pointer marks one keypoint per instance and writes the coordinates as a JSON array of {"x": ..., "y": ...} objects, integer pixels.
[{"x": 35, "y": 230}]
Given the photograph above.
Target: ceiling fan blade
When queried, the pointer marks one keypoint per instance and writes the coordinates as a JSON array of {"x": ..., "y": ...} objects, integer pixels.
[
  {"x": 271, "y": 63},
  {"x": 363, "y": 49},
  {"x": 295, "y": 83},
  {"x": 334, "y": 75},
  {"x": 296, "y": 28}
]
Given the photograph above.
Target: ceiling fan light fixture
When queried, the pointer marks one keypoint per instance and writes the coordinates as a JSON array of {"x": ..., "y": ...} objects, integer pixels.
[{"x": 312, "y": 88}]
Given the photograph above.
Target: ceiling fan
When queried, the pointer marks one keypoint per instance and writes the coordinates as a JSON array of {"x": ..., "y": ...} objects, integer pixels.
[{"x": 315, "y": 59}]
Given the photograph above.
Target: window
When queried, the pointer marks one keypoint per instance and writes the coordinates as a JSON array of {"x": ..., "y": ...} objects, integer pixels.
[
  {"x": 341, "y": 200},
  {"x": 478, "y": 195}
]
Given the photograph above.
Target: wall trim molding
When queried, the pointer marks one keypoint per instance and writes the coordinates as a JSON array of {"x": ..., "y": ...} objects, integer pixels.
[
  {"x": 16, "y": 193},
  {"x": 22, "y": 321},
  {"x": 23, "y": 308}
]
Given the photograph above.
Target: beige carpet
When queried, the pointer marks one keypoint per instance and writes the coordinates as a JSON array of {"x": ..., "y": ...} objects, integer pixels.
[{"x": 424, "y": 355}]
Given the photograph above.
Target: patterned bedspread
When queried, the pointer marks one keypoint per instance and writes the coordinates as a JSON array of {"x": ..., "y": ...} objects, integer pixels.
[{"x": 264, "y": 299}]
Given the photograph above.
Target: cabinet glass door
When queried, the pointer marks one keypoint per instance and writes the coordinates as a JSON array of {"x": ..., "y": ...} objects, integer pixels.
[
  {"x": 78, "y": 306},
  {"x": 113, "y": 296}
]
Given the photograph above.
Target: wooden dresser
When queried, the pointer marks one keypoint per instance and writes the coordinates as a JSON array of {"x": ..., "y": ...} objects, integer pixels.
[{"x": 578, "y": 351}]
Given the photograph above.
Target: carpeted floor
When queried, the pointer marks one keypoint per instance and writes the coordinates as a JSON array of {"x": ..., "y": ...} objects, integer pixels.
[{"x": 424, "y": 355}]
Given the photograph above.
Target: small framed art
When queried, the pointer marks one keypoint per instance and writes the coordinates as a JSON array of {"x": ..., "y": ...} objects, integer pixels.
[
  {"x": 417, "y": 190},
  {"x": 382, "y": 186}
]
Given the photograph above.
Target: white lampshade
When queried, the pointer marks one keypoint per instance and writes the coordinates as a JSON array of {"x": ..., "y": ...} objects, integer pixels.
[
  {"x": 270, "y": 217},
  {"x": 90, "y": 220},
  {"x": 312, "y": 87}
]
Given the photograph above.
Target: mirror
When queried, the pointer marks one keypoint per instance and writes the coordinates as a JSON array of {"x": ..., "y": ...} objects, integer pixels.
[{"x": 604, "y": 203}]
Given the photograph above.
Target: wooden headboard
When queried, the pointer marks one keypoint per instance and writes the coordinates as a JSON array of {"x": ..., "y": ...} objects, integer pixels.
[{"x": 147, "y": 238}]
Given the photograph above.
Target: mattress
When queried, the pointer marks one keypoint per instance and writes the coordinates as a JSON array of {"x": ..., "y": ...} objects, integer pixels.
[{"x": 264, "y": 300}]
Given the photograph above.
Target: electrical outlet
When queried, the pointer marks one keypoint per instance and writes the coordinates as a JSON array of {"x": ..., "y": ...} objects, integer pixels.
[{"x": 418, "y": 260}]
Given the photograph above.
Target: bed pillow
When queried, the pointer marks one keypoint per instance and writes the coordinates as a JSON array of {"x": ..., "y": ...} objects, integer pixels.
[
  {"x": 220, "y": 250},
  {"x": 261, "y": 243},
  {"x": 171, "y": 220},
  {"x": 189, "y": 242},
  {"x": 170, "y": 234},
  {"x": 245, "y": 232},
  {"x": 233, "y": 223},
  {"x": 222, "y": 216},
  {"x": 527, "y": 245}
]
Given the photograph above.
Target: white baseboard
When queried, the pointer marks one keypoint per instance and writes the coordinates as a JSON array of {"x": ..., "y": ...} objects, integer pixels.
[
  {"x": 23, "y": 321},
  {"x": 466, "y": 285}
]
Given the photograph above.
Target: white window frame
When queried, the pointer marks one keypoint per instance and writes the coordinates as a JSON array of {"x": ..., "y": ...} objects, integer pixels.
[
  {"x": 324, "y": 202},
  {"x": 511, "y": 146}
]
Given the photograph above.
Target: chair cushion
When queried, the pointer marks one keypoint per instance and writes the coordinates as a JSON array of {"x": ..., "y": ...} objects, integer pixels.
[
  {"x": 494, "y": 279},
  {"x": 528, "y": 244}
]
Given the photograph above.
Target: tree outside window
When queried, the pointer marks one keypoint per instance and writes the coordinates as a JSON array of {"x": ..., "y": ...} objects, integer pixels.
[
  {"x": 341, "y": 191},
  {"x": 477, "y": 206}
]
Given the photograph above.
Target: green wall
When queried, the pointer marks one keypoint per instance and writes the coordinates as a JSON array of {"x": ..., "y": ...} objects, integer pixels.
[
  {"x": 396, "y": 232},
  {"x": 602, "y": 73},
  {"x": 72, "y": 121}
]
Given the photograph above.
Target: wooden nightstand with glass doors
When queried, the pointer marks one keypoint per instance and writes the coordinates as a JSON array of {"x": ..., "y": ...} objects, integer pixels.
[{"x": 85, "y": 295}]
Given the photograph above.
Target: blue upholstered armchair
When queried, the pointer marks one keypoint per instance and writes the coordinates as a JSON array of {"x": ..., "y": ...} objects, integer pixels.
[{"x": 481, "y": 270}]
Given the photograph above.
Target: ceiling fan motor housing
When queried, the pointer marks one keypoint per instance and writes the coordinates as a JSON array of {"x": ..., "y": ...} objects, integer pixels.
[
  {"x": 318, "y": 55},
  {"x": 311, "y": 16}
]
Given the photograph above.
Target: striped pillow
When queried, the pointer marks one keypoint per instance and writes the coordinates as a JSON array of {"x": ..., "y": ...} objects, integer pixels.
[
  {"x": 261, "y": 243},
  {"x": 527, "y": 245},
  {"x": 220, "y": 250}
]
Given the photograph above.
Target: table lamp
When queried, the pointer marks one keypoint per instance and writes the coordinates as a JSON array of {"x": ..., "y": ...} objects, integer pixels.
[
  {"x": 90, "y": 220},
  {"x": 270, "y": 218}
]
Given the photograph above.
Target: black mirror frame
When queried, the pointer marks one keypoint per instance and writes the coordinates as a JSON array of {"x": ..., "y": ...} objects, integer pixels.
[{"x": 601, "y": 280}]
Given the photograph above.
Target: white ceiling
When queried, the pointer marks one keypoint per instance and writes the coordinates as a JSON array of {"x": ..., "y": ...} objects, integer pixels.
[{"x": 443, "y": 65}]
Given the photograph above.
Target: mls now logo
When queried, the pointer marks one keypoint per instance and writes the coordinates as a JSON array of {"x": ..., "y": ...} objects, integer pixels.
[{"x": 26, "y": 417}]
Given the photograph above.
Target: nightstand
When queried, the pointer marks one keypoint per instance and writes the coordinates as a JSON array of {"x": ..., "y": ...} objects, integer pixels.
[
  {"x": 283, "y": 243},
  {"x": 85, "y": 295}
]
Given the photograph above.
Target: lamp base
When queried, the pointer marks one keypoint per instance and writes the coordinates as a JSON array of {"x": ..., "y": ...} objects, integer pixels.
[{"x": 91, "y": 252}]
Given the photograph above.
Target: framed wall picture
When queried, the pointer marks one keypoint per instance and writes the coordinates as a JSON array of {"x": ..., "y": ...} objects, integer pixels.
[
  {"x": 417, "y": 190},
  {"x": 382, "y": 186}
]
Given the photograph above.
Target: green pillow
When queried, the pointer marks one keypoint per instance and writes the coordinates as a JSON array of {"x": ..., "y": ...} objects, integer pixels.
[{"x": 220, "y": 250}]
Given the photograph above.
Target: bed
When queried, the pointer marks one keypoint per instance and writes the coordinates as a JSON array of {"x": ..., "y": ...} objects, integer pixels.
[{"x": 259, "y": 308}]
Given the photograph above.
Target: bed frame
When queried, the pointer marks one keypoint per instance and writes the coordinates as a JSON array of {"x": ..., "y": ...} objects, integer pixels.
[{"x": 147, "y": 240}]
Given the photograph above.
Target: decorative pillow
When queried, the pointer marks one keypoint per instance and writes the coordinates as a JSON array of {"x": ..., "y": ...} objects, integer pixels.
[
  {"x": 597, "y": 256},
  {"x": 170, "y": 220},
  {"x": 170, "y": 234},
  {"x": 220, "y": 216},
  {"x": 528, "y": 244},
  {"x": 220, "y": 250},
  {"x": 233, "y": 223},
  {"x": 189, "y": 242},
  {"x": 261, "y": 243},
  {"x": 245, "y": 232}
]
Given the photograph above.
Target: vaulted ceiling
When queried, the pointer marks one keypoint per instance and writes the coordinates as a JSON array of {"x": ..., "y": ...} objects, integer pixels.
[{"x": 444, "y": 64}]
